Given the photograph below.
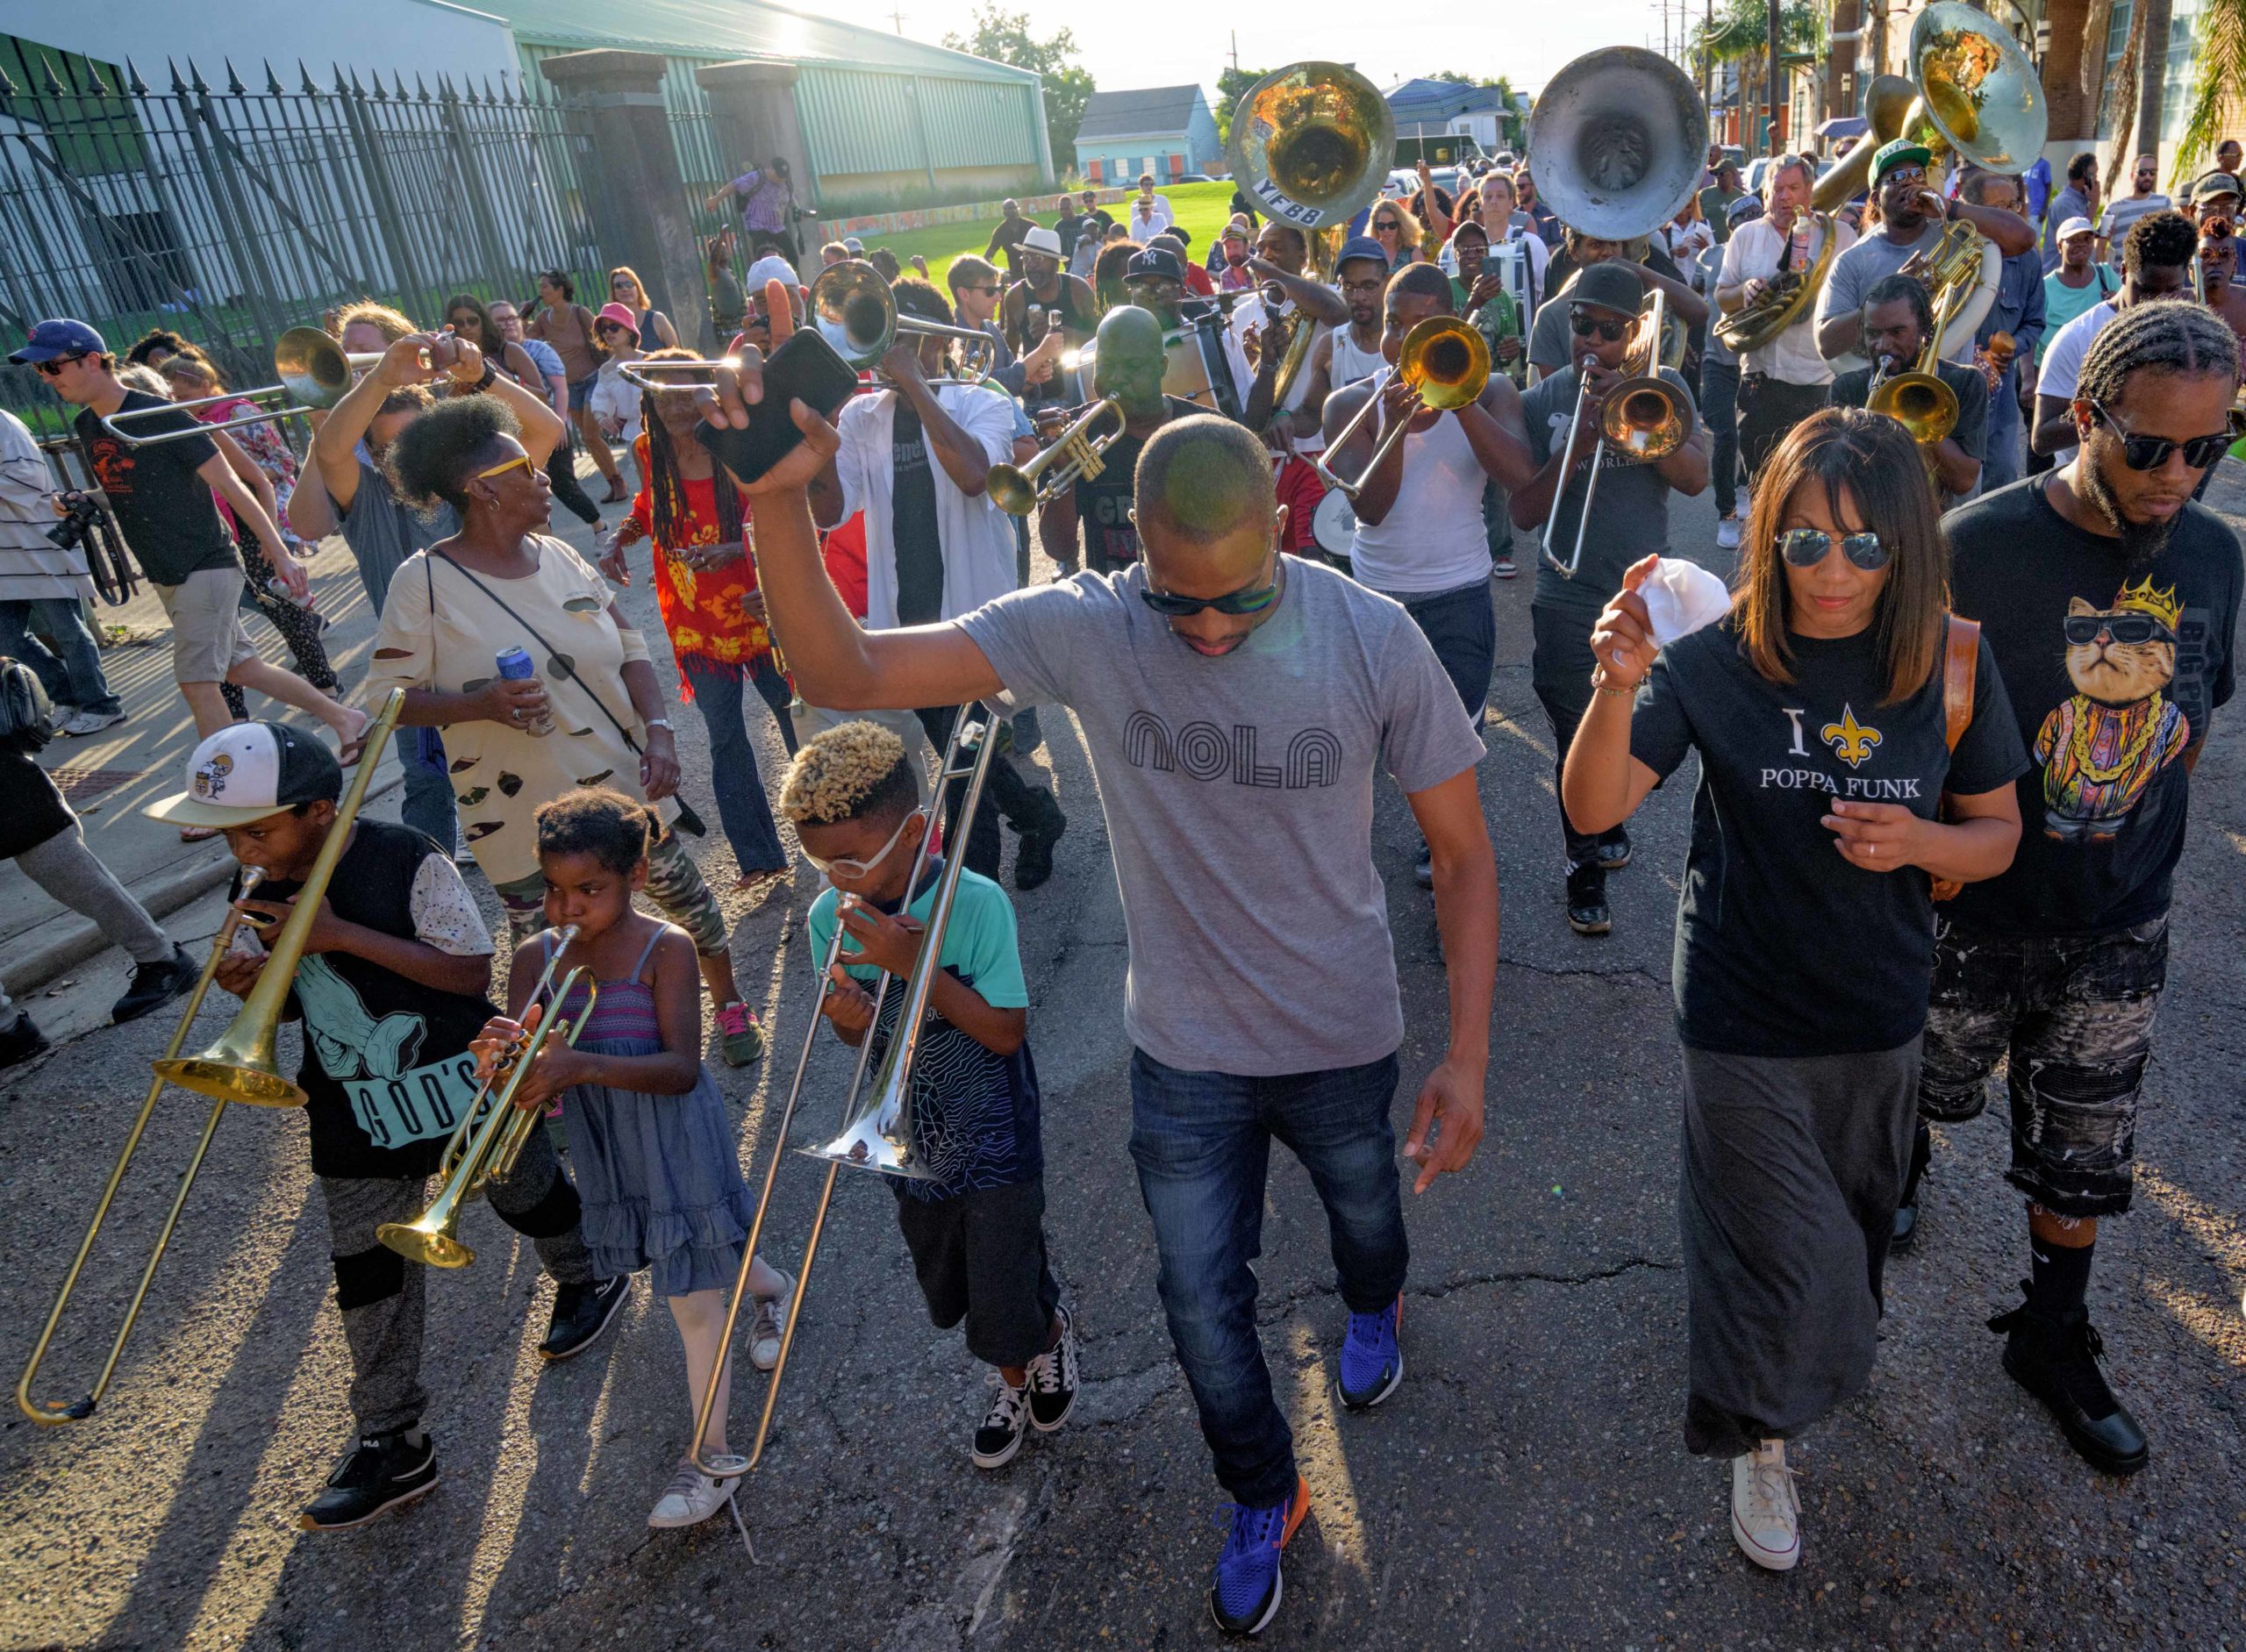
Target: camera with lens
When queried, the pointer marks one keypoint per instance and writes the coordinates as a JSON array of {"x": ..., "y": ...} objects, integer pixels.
[{"x": 82, "y": 512}]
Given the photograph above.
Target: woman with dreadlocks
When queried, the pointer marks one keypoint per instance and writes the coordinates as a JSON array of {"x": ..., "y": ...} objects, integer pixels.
[{"x": 706, "y": 584}]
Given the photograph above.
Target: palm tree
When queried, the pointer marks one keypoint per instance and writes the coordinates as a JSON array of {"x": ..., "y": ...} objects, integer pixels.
[{"x": 2219, "y": 49}]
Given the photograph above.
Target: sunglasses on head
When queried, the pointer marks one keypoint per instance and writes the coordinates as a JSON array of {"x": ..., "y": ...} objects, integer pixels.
[
  {"x": 2217, "y": 229},
  {"x": 1805, "y": 547},
  {"x": 1583, "y": 324},
  {"x": 2150, "y": 452},
  {"x": 848, "y": 868},
  {"x": 54, "y": 369},
  {"x": 1172, "y": 606},
  {"x": 2083, "y": 628}
]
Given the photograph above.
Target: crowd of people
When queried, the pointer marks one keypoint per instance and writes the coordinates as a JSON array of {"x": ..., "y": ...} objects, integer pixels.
[{"x": 1947, "y": 707}]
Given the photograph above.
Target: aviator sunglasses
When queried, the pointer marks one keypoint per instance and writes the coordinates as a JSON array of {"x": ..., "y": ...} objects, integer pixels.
[
  {"x": 1805, "y": 547},
  {"x": 2150, "y": 453}
]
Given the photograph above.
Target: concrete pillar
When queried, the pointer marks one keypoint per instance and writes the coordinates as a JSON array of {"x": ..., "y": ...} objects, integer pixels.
[
  {"x": 635, "y": 193},
  {"x": 752, "y": 108}
]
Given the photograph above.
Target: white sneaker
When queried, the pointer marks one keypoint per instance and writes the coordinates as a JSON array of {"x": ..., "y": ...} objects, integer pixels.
[
  {"x": 1728, "y": 532},
  {"x": 764, "y": 1331},
  {"x": 85, "y": 722},
  {"x": 693, "y": 1497},
  {"x": 1765, "y": 1509}
]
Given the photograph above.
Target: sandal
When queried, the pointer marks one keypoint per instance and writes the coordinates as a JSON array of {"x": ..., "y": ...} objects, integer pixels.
[
  {"x": 616, "y": 495},
  {"x": 352, "y": 750}
]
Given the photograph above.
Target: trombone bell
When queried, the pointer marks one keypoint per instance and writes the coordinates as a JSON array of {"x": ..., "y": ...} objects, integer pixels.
[{"x": 881, "y": 1138}]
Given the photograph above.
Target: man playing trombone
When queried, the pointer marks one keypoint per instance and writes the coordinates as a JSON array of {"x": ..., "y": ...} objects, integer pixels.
[
  {"x": 1897, "y": 321},
  {"x": 1629, "y": 519},
  {"x": 1236, "y": 703}
]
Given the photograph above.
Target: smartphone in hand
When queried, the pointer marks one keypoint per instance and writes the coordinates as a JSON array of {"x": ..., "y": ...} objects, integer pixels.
[{"x": 807, "y": 368}]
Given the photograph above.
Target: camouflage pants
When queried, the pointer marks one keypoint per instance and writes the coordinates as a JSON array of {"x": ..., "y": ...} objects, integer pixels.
[{"x": 2073, "y": 1016}]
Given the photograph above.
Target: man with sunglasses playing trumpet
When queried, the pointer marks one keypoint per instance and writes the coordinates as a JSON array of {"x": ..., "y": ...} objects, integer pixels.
[
  {"x": 1236, "y": 703},
  {"x": 1630, "y": 521},
  {"x": 2109, "y": 602}
]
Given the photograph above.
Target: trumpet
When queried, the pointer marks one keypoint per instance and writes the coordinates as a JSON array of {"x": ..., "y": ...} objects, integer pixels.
[
  {"x": 487, "y": 1141},
  {"x": 1447, "y": 365},
  {"x": 1642, "y": 419},
  {"x": 313, "y": 370},
  {"x": 878, "y": 1132},
  {"x": 1016, "y": 489},
  {"x": 239, "y": 1067}
]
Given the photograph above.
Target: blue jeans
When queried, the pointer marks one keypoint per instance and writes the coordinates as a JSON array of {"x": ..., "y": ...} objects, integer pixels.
[
  {"x": 76, "y": 678},
  {"x": 2006, "y": 442},
  {"x": 1463, "y": 629},
  {"x": 743, "y": 807},
  {"x": 1201, "y": 1142},
  {"x": 429, "y": 807},
  {"x": 1720, "y": 411}
]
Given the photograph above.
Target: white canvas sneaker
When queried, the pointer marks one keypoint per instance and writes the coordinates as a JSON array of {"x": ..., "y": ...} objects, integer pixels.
[
  {"x": 1765, "y": 1509},
  {"x": 691, "y": 1497},
  {"x": 1728, "y": 532}
]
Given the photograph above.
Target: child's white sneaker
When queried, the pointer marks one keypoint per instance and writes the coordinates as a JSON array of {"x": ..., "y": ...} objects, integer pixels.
[
  {"x": 693, "y": 1497},
  {"x": 764, "y": 1330}
]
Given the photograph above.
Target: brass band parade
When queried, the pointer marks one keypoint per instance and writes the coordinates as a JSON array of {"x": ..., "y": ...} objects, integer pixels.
[{"x": 1142, "y": 696}]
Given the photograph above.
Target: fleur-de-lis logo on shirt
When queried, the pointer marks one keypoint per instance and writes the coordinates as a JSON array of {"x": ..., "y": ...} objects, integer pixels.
[{"x": 1851, "y": 741}]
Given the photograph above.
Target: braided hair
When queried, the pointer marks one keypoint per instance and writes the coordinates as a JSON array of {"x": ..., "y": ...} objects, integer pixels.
[
  {"x": 666, "y": 488},
  {"x": 2170, "y": 336}
]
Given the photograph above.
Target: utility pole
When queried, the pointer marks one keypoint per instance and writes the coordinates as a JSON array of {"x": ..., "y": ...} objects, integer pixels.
[
  {"x": 1235, "y": 51},
  {"x": 898, "y": 19},
  {"x": 1770, "y": 136}
]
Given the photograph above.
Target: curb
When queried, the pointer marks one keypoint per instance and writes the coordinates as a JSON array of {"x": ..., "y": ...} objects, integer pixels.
[{"x": 71, "y": 940}]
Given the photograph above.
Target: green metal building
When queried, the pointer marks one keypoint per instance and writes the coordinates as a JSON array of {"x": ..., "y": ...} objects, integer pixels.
[{"x": 888, "y": 121}]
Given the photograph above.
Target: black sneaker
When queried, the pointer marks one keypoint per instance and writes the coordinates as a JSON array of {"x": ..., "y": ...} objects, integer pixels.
[
  {"x": 581, "y": 1313},
  {"x": 1052, "y": 1380},
  {"x": 22, "y": 1041},
  {"x": 1613, "y": 850},
  {"x": 1034, "y": 860},
  {"x": 156, "y": 984},
  {"x": 999, "y": 1436},
  {"x": 1587, "y": 913},
  {"x": 1906, "y": 1209},
  {"x": 382, "y": 1471},
  {"x": 2057, "y": 1361},
  {"x": 1423, "y": 868}
]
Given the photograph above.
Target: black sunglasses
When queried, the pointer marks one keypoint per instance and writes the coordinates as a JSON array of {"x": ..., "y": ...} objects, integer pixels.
[
  {"x": 1583, "y": 324},
  {"x": 1172, "y": 606},
  {"x": 2083, "y": 628},
  {"x": 2150, "y": 453},
  {"x": 1805, "y": 547},
  {"x": 52, "y": 368}
]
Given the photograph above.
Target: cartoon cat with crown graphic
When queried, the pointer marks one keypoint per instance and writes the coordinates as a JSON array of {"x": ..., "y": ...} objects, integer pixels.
[{"x": 2101, "y": 748}]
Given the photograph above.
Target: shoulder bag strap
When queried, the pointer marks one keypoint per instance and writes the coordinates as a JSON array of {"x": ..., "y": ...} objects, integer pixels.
[
  {"x": 552, "y": 653},
  {"x": 1961, "y": 659}
]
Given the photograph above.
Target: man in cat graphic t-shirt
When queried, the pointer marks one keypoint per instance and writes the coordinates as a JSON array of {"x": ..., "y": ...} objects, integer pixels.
[
  {"x": 1236, "y": 703},
  {"x": 2108, "y": 600}
]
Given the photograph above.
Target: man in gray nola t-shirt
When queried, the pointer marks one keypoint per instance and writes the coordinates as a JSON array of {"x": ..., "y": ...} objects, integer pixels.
[{"x": 1236, "y": 703}]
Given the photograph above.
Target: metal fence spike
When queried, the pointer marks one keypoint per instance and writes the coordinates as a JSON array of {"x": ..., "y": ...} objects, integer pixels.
[
  {"x": 420, "y": 89},
  {"x": 272, "y": 81},
  {"x": 179, "y": 86},
  {"x": 445, "y": 92},
  {"x": 400, "y": 80},
  {"x": 487, "y": 97},
  {"x": 133, "y": 83},
  {"x": 8, "y": 88},
  {"x": 53, "y": 86},
  {"x": 234, "y": 87},
  {"x": 95, "y": 84},
  {"x": 310, "y": 90},
  {"x": 196, "y": 83},
  {"x": 357, "y": 90}
]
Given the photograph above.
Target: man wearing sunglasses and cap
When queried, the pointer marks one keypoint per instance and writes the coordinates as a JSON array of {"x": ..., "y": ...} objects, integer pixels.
[
  {"x": 2109, "y": 602},
  {"x": 1046, "y": 301},
  {"x": 1629, "y": 519},
  {"x": 1237, "y": 704},
  {"x": 1911, "y": 215},
  {"x": 1897, "y": 320}
]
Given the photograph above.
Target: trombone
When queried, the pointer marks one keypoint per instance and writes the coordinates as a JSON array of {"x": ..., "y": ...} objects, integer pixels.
[
  {"x": 1447, "y": 365},
  {"x": 486, "y": 1143},
  {"x": 877, "y": 1133},
  {"x": 313, "y": 370},
  {"x": 1019, "y": 489},
  {"x": 238, "y": 1067},
  {"x": 1642, "y": 419}
]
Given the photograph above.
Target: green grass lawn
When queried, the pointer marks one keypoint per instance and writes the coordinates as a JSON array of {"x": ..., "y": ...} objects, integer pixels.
[{"x": 1202, "y": 210}]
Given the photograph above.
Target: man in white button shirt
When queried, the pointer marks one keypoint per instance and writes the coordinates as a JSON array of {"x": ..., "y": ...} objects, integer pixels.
[
  {"x": 1784, "y": 381},
  {"x": 1150, "y": 213}
]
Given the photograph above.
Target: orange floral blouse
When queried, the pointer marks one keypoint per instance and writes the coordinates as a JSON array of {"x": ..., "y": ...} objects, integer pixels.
[{"x": 702, "y": 610}]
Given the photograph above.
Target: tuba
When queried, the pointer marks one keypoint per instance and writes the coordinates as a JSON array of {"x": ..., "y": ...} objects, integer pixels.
[{"x": 1311, "y": 145}]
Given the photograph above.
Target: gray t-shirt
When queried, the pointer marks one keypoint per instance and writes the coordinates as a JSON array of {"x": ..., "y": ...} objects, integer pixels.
[
  {"x": 1629, "y": 519},
  {"x": 383, "y": 531},
  {"x": 1863, "y": 267},
  {"x": 1238, "y": 792}
]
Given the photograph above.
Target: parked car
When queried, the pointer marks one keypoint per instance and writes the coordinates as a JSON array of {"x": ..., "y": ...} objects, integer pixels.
[{"x": 1192, "y": 177}]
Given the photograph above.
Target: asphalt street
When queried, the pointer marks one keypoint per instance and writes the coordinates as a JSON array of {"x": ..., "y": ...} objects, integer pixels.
[{"x": 1526, "y": 1487}]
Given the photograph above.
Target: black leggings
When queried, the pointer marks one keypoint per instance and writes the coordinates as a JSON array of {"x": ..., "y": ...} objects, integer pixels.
[
  {"x": 561, "y": 476},
  {"x": 298, "y": 628}
]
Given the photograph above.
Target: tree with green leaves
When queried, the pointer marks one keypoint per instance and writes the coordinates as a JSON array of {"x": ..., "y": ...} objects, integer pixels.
[
  {"x": 1231, "y": 86},
  {"x": 2219, "y": 70},
  {"x": 1003, "y": 37},
  {"x": 1740, "y": 30}
]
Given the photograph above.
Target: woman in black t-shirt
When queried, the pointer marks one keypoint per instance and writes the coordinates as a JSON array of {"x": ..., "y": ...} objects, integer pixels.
[{"x": 1830, "y": 794}]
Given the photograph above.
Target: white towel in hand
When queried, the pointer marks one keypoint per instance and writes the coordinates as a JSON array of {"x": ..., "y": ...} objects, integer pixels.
[{"x": 1681, "y": 597}]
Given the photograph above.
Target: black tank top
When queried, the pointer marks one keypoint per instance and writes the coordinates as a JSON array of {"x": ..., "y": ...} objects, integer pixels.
[{"x": 1103, "y": 504}]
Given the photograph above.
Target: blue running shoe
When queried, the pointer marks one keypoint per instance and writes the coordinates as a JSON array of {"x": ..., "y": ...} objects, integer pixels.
[
  {"x": 1371, "y": 1362},
  {"x": 1246, "y": 1595}
]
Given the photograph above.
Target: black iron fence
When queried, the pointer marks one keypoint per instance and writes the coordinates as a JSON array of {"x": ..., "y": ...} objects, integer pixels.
[{"x": 229, "y": 214}]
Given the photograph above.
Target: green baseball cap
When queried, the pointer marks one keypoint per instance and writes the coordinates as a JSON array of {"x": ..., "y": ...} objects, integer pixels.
[{"x": 1895, "y": 153}]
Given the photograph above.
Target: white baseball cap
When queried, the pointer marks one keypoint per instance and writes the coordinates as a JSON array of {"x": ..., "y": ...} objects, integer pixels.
[
  {"x": 2077, "y": 226},
  {"x": 771, "y": 267},
  {"x": 247, "y": 771}
]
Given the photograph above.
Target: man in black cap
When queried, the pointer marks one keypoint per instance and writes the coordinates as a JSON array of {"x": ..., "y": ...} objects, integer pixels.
[
  {"x": 1156, "y": 281},
  {"x": 1629, "y": 519}
]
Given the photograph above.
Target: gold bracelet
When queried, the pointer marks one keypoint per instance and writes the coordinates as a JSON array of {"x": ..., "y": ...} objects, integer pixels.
[{"x": 1598, "y": 687}]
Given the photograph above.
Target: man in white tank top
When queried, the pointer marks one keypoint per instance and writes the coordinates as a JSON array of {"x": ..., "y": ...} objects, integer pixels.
[
  {"x": 1345, "y": 354},
  {"x": 1420, "y": 538}
]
